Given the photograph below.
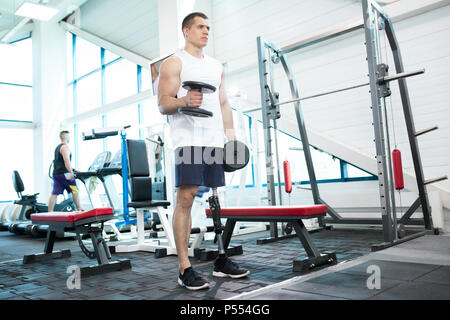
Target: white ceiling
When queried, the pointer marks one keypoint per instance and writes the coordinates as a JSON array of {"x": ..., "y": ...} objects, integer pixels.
[
  {"x": 7, "y": 8},
  {"x": 131, "y": 24}
]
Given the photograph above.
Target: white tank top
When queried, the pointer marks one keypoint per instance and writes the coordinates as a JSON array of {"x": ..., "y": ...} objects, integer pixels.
[{"x": 194, "y": 131}]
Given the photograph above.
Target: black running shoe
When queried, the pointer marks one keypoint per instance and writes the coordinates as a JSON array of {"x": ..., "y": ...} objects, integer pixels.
[
  {"x": 227, "y": 268},
  {"x": 191, "y": 280}
]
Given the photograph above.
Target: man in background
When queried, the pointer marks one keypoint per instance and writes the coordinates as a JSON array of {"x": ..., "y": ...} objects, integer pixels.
[{"x": 63, "y": 173}]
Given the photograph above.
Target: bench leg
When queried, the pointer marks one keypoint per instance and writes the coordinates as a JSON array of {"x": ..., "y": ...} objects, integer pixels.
[
  {"x": 119, "y": 265},
  {"x": 305, "y": 238},
  {"x": 31, "y": 258},
  {"x": 315, "y": 259},
  {"x": 311, "y": 263},
  {"x": 50, "y": 241},
  {"x": 103, "y": 255}
]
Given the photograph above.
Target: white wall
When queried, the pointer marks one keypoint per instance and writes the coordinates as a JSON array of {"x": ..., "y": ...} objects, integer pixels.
[{"x": 345, "y": 117}]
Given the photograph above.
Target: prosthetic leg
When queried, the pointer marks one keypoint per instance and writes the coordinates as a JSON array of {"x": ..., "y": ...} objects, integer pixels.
[
  {"x": 214, "y": 205},
  {"x": 223, "y": 267}
]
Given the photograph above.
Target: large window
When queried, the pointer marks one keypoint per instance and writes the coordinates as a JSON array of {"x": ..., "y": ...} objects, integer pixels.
[
  {"x": 17, "y": 155},
  {"x": 88, "y": 92},
  {"x": 15, "y": 81},
  {"x": 86, "y": 151},
  {"x": 87, "y": 57},
  {"x": 97, "y": 78},
  {"x": 120, "y": 80},
  {"x": 16, "y": 102},
  {"x": 16, "y": 62},
  {"x": 16, "y": 109},
  {"x": 327, "y": 168}
]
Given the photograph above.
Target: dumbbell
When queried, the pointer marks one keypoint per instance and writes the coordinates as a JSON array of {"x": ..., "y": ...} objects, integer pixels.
[
  {"x": 236, "y": 156},
  {"x": 203, "y": 88}
]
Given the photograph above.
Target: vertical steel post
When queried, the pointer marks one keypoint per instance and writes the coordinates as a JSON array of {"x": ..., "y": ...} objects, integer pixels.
[
  {"x": 262, "y": 66},
  {"x": 371, "y": 24},
  {"x": 409, "y": 121},
  {"x": 126, "y": 212},
  {"x": 262, "y": 61}
]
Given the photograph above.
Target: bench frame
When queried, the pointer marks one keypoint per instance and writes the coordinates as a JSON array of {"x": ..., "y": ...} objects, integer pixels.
[
  {"x": 82, "y": 226},
  {"x": 315, "y": 258}
]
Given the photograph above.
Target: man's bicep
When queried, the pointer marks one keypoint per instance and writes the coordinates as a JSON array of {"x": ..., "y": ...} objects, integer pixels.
[{"x": 169, "y": 81}]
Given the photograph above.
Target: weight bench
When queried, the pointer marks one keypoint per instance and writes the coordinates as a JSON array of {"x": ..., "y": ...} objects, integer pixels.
[
  {"x": 79, "y": 222},
  {"x": 294, "y": 215}
]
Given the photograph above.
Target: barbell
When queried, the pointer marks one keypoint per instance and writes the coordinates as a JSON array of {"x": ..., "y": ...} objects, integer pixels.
[{"x": 380, "y": 81}]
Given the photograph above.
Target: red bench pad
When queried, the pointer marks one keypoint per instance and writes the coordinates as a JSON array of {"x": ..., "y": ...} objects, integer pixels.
[
  {"x": 70, "y": 216},
  {"x": 272, "y": 211}
]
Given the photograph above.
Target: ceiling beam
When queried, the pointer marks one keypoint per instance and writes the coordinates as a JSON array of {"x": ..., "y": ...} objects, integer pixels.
[
  {"x": 114, "y": 48},
  {"x": 15, "y": 30}
]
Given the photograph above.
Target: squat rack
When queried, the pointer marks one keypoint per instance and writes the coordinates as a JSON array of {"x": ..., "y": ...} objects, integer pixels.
[{"x": 375, "y": 19}]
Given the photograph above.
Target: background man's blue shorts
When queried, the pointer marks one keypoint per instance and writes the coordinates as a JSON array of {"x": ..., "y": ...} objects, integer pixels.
[{"x": 60, "y": 183}]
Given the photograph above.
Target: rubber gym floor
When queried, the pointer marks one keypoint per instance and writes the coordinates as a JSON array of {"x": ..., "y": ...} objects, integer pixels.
[{"x": 417, "y": 269}]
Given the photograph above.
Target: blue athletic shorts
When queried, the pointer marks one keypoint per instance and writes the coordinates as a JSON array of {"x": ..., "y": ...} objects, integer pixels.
[
  {"x": 60, "y": 183},
  {"x": 201, "y": 166}
]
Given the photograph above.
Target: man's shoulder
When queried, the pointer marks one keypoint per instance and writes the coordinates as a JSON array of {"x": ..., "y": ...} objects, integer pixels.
[
  {"x": 173, "y": 59},
  {"x": 172, "y": 63},
  {"x": 64, "y": 147}
]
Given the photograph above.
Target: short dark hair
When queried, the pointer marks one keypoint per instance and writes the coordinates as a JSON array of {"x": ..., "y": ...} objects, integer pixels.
[
  {"x": 62, "y": 133},
  {"x": 189, "y": 19}
]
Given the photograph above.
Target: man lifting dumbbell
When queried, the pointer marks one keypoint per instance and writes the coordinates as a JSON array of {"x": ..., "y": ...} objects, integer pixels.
[{"x": 195, "y": 133}]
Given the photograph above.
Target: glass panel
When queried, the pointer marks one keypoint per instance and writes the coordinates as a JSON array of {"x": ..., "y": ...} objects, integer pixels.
[
  {"x": 242, "y": 131},
  {"x": 109, "y": 56},
  {"x": 121, "y": 80},
  {"x": 69, "y": 56},
  {"x": 325, "y": 166},
  {"x": 151, "y": 114},
  {"x": 88, "y": 150},
  {"x": 122, "y": 117},
  {"x": 89, "y": 93},
  {"x": 16, "y": 103},
  {"x": 87, "y": 57},
  {"x": 296, "y": 158},
  {"x": 354, "y": 172},
  {"x": 146, "y": 83},
  {"x": 19, "y": 157},
  {"x": 70, "y": 99},
  {"x": 16, "y": 62},
  {"x": 291, "y": 149}
]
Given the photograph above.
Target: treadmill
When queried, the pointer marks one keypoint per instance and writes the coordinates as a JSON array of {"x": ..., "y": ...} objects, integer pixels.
[
  {"x": 105, "y": 174},
  {"x": 100, "y": 161}
]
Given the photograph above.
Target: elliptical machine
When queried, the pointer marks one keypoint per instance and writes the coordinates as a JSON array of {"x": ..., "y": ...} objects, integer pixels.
[
  {"x": 67, "y": 205},
  {"x": 29, "y": 206}
]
